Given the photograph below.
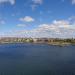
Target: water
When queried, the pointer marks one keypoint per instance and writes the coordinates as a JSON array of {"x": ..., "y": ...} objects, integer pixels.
[{"x": 36, "y": 59}]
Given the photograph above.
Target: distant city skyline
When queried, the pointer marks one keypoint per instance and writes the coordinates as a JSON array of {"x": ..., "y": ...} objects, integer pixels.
[{"x": 37, "y": 18}]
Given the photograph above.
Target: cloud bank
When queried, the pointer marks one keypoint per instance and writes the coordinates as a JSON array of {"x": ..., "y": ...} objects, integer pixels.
[{"x": 56, "y": 29}]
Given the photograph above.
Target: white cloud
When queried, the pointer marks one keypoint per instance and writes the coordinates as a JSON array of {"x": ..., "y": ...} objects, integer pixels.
[
  {"x": 27, "y": 19},
  {"x": 61, "y": 23},
  {"x": 72, "y": 19},
  {"x": 21, "y": 25},
  {"x": 2, "y": 22},
  {"x": 33, "y": 6},
  {"x": 36, "y": 3},
  {"x": 10, "y": 1},
  {"x": 73, "y": 1}
]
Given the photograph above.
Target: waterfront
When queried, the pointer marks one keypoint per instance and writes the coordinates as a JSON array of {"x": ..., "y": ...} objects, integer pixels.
[{"x": 36, "y": 59}]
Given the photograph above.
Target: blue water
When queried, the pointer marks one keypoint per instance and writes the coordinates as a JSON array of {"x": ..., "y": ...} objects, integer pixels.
[{"x": 36, "y": 59}]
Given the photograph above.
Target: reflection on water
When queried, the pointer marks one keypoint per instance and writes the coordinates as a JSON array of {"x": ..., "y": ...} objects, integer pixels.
[{"x": 36, "y": 59}]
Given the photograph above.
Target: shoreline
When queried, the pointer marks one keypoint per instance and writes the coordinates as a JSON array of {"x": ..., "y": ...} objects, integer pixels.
[
  {"x": 49, "y": 41},
  {"x": 54, "y": 44}
]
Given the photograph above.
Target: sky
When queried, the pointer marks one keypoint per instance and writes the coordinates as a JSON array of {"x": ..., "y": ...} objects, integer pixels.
[{"x": 37, "y": 18}]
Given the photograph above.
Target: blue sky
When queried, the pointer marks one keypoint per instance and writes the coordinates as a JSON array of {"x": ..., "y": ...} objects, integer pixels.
[{"x": 37, "y": 18}]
